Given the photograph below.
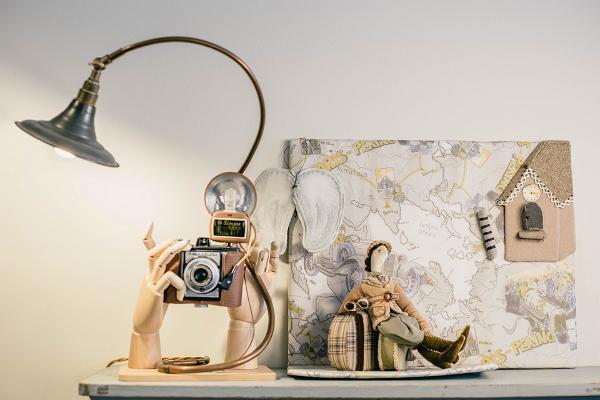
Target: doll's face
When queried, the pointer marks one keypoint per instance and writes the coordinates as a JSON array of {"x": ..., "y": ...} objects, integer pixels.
[{"x": 378, "y": 257}]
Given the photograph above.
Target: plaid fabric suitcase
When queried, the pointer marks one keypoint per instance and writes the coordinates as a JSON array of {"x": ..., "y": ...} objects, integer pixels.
[{"x": 352, "y": 342}]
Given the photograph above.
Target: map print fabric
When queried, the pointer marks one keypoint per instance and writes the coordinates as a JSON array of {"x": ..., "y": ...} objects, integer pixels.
[{"x": 422, "y": 196}]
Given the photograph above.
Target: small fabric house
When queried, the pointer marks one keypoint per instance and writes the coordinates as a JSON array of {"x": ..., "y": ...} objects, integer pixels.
[{"x": 539, "y": 223}]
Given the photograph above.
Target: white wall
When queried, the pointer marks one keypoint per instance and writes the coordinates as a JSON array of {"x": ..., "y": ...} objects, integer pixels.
[{"x": 175, "y": 115}]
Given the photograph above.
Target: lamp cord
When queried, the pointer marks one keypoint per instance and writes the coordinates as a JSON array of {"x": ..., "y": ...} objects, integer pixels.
[
  {"x": 179, "y": 365},
  {"x": 175, "y": 367},
  {"x": 100, "y": 64},
  {"x": 182, "y": 365}
]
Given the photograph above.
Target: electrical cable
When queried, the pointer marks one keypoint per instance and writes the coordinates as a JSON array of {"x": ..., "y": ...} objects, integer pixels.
[
  {"x": 179, "y": 367},
  {"x": 175, "y": 367}
]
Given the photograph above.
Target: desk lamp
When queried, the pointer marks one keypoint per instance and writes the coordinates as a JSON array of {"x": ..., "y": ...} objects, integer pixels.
[{"x": 72, "y": 132}]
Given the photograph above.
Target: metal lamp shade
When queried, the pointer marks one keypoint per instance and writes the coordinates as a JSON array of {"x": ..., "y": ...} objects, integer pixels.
[{"x": 73, "y": 131}]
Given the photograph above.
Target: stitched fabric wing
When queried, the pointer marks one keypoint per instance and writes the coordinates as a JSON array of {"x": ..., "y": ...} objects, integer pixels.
[
  {"x": 319, "y": 202},
  {"x": 274, "y": 208}
]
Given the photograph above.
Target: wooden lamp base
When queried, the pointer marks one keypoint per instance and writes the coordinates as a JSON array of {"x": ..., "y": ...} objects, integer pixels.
[{"x": 261, "y": 373}]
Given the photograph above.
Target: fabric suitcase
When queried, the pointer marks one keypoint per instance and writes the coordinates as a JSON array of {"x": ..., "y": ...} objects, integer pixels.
[{"x": 352, "y": 343}]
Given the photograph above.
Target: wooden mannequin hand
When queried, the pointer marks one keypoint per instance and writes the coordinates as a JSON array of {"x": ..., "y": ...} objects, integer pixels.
[
  {"x": 150, "y": 309},
  {"x": 253, "y": 306},
  {"x": 241, "y": 333}
]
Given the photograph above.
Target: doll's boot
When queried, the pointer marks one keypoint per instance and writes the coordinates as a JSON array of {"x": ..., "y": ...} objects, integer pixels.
[
  {"x": 465, "y": 333},
  {"x": 451, "y": 353},
  {"x": 434, "y": 357},
  {"x": 441, "y": 359},
  {"x": 436, "y": 343}
]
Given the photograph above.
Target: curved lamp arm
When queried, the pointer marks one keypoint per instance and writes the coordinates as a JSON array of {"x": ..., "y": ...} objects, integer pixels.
[
  {"x": 73, "y": 129},
  {"x": 100, "y": 63}
]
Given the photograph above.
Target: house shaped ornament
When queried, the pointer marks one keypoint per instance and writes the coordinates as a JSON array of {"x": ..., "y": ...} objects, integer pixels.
[{"x": 539, "y": 222}]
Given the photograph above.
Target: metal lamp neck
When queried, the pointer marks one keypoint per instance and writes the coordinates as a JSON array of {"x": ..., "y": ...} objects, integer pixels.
[{"x": 88, "y": 93}]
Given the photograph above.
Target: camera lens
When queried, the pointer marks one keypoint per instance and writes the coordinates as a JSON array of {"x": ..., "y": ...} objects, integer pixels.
[{"x": 202, "y": 275}]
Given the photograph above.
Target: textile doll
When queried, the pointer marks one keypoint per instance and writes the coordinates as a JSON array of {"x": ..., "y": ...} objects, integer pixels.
[{"x": 395, "y": 316}]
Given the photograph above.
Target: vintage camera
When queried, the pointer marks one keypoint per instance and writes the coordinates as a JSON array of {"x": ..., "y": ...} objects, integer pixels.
[{"x": 210, "y": 275}]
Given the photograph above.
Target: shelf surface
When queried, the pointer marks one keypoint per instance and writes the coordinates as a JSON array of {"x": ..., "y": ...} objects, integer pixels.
[{"x": 523, "y": 383}]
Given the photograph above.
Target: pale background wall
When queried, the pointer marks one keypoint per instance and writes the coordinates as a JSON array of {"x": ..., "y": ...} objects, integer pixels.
[{"x": 174, "y": 116}]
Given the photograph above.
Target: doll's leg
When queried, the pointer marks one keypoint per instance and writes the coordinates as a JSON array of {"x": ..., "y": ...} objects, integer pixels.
[
  {"x": 442, "y": 359},
  {"x": 436, "y": 343},
  {"x": 440, "y": 344},
  {"x": 405, "y": 330},
  {"x": 449, "y": 349},
  {"x": 434, "y": 357},
  {"x": 399, "y": 331},
  {"x": 451, "y": 353},
  {"x": 465, "y": 333}
]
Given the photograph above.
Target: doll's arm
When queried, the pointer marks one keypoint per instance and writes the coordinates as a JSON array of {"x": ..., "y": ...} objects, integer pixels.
[
  {"x": 354, "y": 295},
  {"x": 408, "y": 307}
]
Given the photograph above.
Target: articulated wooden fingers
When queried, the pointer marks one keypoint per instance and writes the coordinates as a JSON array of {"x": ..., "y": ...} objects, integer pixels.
[
  {"x": 260, "y": 258},
  {"x": 166, "y": 257},
  {"x": 273, "y": 258},
  {"x": 169, "y": 278},
  {"x": 148, "y": 240},
  {"x": 155, "y": 252}
]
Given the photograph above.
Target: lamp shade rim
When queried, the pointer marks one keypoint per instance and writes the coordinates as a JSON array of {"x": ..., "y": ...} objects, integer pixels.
[{"x": 89, "y": 150}]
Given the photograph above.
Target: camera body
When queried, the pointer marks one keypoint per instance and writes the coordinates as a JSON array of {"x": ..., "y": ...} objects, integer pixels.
[{"x": 210, "y": 274}]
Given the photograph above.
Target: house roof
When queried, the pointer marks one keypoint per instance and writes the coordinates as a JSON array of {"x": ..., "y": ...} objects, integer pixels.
[{"x": 551, "y": 161}]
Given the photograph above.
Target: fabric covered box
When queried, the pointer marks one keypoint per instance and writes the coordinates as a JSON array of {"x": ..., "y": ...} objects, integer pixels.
[
  {"x": 422, "y": 196},
  {"x": 392, "y": 356},
  {"x": 352, "y": 343}
]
